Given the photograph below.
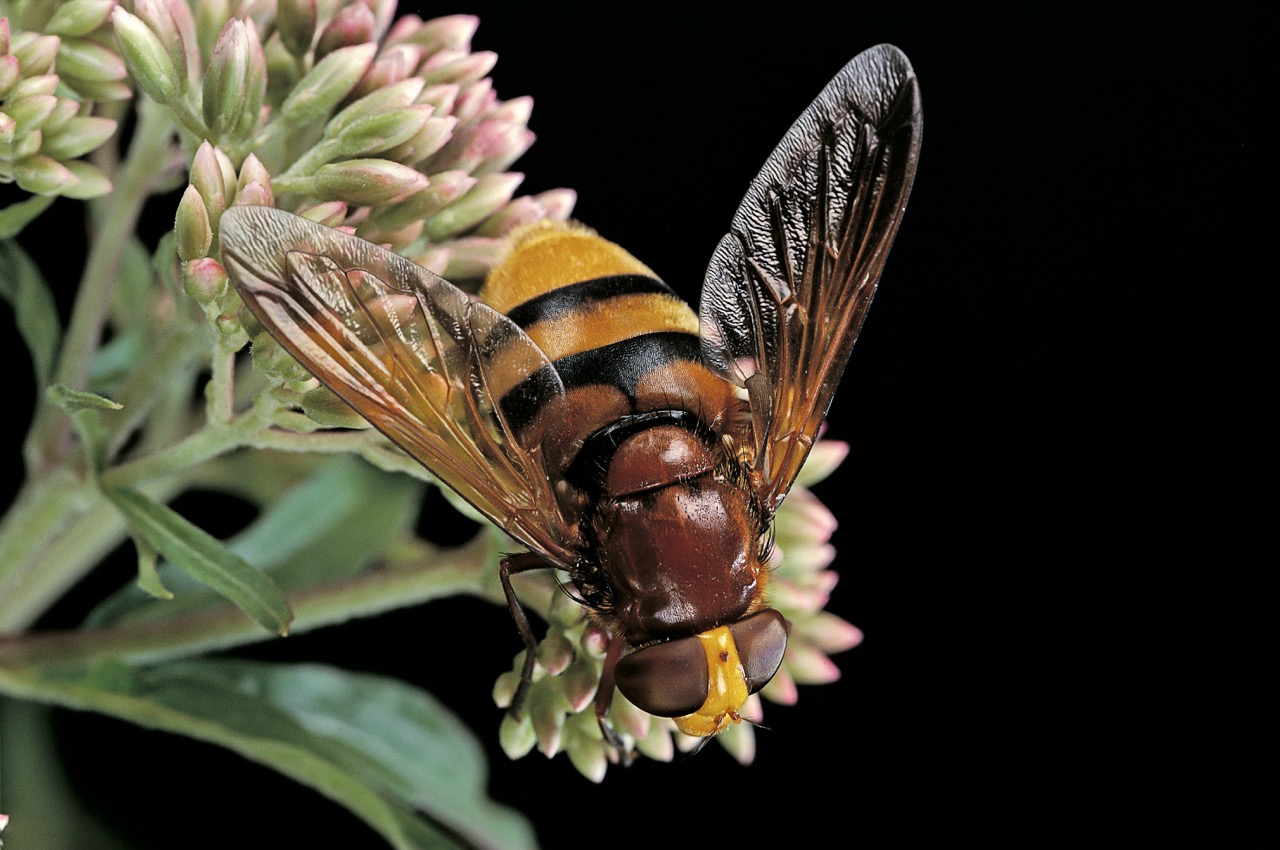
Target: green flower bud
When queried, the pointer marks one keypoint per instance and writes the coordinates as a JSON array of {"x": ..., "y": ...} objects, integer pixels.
[
  {"x": 489, "y": 194},
  {"x": 473, "y": 257},
  {"x": 78, "y": 136},
  {"x": 7, "y": 126},
  {"x": 353, "y": 24},
  {"x": 519, "y": 212},
  {"x": 90, "y": 181},
  {"x": 146, "y": 56},
  {"x": 225, "y": 89},
  {"x": 42, "y": 84},
  {"x": 66, "y": 109},
  {"x": 330, "y": 213},
  {"x": 296, "y": 24},
  {"x": 367, "y": 182},
  {"x": 193, "y": 233},
  {"x": 214, "y": 178},
  {"x": 325, "y": 86},
  {"x": 431, "y": 137},
  {"x": 4, "y": 36},
  {"x": 253, "y": 171},
  {"x": 211, "y": 16},
  {"x": 392, "y": 66},
  {"x": 158, "y": 16},
  {"x": 87, "y": 60},
  {"x": 443, "y": 189},
  {"x": 42, "y": 175},
  {"x": 36, "y": 53},
  {"x": 516, "y": 737},
  {"x": 452, "y": 32},
  {"x": 395, "y": 96},
  {"x": 30, "y": 113},
  {"x": 254, "y": 194},
  {"x": 255, "y": 83},
  {"x": 273, "y": 361},
  {"x": 204, "y": 280},
  {"x": 28, "y": 144},
  {"x": 100, "y": 90},
  {"x": 10, "y": 71},
  {"x": 376, "y": 133},
  {"x": 450, "y": 66},
  {"x": 75, "y": 18}
]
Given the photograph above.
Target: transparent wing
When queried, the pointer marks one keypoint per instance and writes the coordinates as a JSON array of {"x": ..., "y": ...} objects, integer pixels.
[
  {"x": 789, "y": 285},
  {"x": 428, "y": 366}
]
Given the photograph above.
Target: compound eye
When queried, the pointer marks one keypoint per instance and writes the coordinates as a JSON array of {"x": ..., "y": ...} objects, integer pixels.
[
  {"x": 667, "y": 679},
  {"x": 761, "y": 640}
]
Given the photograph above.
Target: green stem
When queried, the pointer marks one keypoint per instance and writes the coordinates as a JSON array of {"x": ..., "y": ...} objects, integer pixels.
[
  {"x": 50, "y": 442},
  {"x": 468, "y": 569}
]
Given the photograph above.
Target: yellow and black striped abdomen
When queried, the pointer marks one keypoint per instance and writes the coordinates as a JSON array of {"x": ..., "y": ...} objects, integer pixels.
[{"x": 621, "y": 340}]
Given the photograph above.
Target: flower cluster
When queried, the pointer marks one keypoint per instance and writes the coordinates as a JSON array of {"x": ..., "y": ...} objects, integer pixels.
[
  {"x": 393, "y": 131},
  {"x": 54, "y": 71},
  {"x": 559, "y": 712}
]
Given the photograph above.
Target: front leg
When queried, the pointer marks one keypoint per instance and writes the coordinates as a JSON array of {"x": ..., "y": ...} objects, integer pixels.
[{"x": 512, "y": 564}]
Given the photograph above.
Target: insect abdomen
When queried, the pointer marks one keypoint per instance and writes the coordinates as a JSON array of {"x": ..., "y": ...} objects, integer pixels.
[{"x": 622, "y": 341}]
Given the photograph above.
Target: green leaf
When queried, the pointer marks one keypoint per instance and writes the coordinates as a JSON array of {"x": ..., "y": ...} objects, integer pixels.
[
  {"x": 204, "y": 558},
  {"x": 22, "y": 285},
  {"x": 148, "y": 579},
  {"x": 85, "y": 410},
  {"x": 379, "y": 747},
  {"x": 331, "y": 526},
  {"x": 15, "y": 217}
]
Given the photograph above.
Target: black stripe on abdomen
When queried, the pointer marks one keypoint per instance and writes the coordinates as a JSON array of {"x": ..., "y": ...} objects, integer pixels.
[
  {"x": 571, "y": 298},
  {"x": 622, "y": 364},
  {"x": 619, "y": 364}
]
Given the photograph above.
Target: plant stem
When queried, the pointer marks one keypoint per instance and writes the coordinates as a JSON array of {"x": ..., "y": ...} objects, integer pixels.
[
  {"x": 467, "y": 569},
  {"x": 49, "y": 444}
]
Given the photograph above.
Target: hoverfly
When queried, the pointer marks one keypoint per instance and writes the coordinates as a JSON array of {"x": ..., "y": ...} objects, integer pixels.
[{"x": 580, "y": 405}]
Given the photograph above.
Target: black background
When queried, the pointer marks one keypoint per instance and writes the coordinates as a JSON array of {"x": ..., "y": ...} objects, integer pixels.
[{"x": 1048, "y": 521}]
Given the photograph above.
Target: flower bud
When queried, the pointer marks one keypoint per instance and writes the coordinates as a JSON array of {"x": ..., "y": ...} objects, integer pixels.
[
  {"x": 10, "y": 71},
  {"x": 146, "y": 56},
  {"x": 191, "y": 227},
  {"x": 431, "y": 137},
  {"x": 158, "y": 15},
  {"x": 86, "y": 60},
  {"x": 329, "y": 213},
  {"x": 327, "y": 84},
  {"x": 444, "y": 188},
  {"x": 30, "y": 113},
  {"x": 521, "y": 211},
  {"x": 210, "y": 180},
  {"x": 376, "y": 133},
  {"x": 392, "y": 66},
  {"x": 204, "y": 280},
  {"x": 42, "y": 175},
  {"x": 90, "y": 181},
  {"x": 255, "y": 194},
  {"x": 450, "y": 66},
  {"x": 4, "y": 36},
  {"x": 367, "y": 182},
  {"x": 253, "y": 171},
  {"x": 353, "y": 24},
  {"x": 558, "y": 203},
  {"x": 210, "y": 17},
  {"x": 7, "y": 126},
  {"x": 225, "y": 80},
  {"x": 36, "y": 53},
  {"x": 27, "y": 144},
  {"x": 296, "y": 24},
  {"x": 489, "y": 194},
  {"x": 392, "y": 97},
  {"x": 42, "y": 84},
  {"x": 324, "y": 407},
  {"x": 65, "y": 110},
  {"x": 78, "y": 136},
  {"x": 516, "y": 737},
  {"x": 75, "y": 18},
  {"x": 452, "y": 32}
]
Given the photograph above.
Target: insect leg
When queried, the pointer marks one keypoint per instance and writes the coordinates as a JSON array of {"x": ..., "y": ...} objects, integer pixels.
[
  {"x": 604, "y": 698},
  {"x": 512, "y": 564}
]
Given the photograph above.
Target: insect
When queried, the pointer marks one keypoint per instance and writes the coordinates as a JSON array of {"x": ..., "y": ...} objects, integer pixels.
[{"x": 638, "y": 447}]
